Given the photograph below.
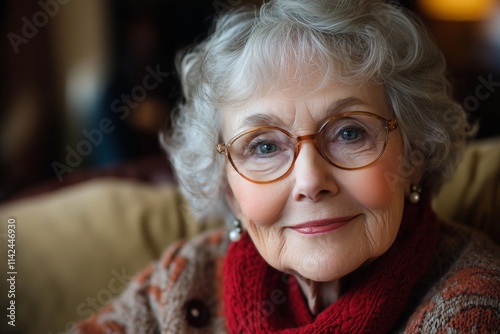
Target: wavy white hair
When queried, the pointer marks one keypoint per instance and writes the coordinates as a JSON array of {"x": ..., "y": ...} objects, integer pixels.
[{"x": 251, "y": 51}]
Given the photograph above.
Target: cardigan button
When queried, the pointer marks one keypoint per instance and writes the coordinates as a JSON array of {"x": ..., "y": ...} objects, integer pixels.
[{"x": 197, "y": 313}]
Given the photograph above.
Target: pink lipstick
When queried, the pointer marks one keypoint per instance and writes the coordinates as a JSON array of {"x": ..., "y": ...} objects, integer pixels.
[{"x": 322, "y": 226}]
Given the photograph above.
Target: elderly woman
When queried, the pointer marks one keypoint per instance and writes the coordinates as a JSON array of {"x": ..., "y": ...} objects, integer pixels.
[{"x": 320, "y": 130}]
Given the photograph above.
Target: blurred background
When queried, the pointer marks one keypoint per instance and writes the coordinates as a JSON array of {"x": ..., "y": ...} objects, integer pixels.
[{"x": 87, "y": 84}]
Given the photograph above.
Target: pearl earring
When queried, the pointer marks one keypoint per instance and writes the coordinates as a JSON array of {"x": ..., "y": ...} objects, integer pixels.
[
  {"x": 235, "y": 233},
  {"x": 414, "y": 197}
]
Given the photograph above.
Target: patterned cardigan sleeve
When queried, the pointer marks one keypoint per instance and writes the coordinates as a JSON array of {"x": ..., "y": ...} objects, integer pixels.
[
  {"x": 177, "y": 294},
  {"x": 465, "y": 297},
  {"x": 134, "y": 310}
]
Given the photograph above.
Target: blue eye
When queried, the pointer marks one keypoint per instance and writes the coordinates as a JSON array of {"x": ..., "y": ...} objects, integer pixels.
[
  {"x": 350, "y": 134},
  {"x": 266, "y": 148},
  {"x": 263, "y": 145}
]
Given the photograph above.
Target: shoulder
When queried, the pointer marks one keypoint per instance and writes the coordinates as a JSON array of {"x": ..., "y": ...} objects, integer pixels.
[
  {"x": 203, "y": 246},
  {"x": 179, "y": 292},
  {"x": 464, "y": 292}
]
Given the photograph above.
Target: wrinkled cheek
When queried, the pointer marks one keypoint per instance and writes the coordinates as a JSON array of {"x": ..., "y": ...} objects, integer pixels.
[
  {"x": 262, "y": 204},
  {"x": 374, "y": 188}
]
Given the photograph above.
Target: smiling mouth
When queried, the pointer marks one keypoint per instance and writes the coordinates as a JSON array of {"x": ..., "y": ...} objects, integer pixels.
[{"x": 322, "y": 226}]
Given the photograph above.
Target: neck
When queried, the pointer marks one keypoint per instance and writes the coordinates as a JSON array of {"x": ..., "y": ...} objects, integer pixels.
[{"x": 319, "y": 295}]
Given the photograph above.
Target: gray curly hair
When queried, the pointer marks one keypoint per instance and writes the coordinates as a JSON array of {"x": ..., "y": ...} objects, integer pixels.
[{"x": 251, "y": 51}]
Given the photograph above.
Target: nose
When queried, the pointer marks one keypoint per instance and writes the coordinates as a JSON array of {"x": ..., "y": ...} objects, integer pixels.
[{"x": 314, "y": 179}]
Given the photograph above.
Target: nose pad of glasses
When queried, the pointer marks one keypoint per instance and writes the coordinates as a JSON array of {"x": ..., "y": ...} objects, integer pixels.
[{"x": 315, "y": 141}]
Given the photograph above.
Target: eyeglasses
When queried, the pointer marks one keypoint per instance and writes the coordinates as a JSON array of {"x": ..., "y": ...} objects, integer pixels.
[{"x": 349, "y": 141}]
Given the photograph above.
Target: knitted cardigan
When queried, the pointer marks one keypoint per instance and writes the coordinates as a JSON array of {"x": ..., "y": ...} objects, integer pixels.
[{"x": 183, "y": 292}]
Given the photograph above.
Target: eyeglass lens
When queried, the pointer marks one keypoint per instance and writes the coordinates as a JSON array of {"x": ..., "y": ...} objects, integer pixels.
[{"x": 348, "y": 142}]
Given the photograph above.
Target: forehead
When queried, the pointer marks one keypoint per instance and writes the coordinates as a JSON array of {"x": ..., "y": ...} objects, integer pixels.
[{"x": 295, "y": 108}]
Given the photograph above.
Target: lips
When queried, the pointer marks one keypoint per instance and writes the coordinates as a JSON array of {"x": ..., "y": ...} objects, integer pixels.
[{"x": 322, "y": 226}]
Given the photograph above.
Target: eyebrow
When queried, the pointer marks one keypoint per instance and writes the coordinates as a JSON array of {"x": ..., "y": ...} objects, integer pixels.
[
  {"x": 262, "y": 119},
  {"x": 339, "y": 105}
]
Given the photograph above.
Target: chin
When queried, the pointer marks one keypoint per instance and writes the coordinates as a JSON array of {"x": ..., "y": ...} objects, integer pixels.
[
  {"x": 317, "y": 278},
  {"x": 323, "y": 272}
]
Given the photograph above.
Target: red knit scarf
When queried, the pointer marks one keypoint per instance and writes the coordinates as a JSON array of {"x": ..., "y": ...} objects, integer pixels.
[{"x": 260, "y": 299}]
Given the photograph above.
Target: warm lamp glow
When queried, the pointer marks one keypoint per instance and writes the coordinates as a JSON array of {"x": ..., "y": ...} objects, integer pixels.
[{"x": 456, "y": 10}]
